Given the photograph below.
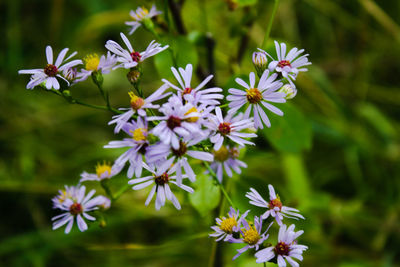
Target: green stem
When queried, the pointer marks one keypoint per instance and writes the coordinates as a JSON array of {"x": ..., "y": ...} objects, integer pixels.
[
  {"x": 121, "y": 191},
  {"x": 219, "y": 184},
  {"x": 104, "y": 184},
  {"x": 265, "y": 264},
  {"x": 271, "y": 20},
  {"x": 75, "y": 101},
  {"x": 224, "y": 105}
]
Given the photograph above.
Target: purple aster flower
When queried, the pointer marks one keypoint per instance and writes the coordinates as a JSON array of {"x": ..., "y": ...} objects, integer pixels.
[
  {"x": 138, "y": 105},
  {"x": 288, "y": 65},
  {"x": 76, "y": 205},
  {"x": 226, "y": 228},
  {"x": 130, "y": 58},
  {"x": 137, "y": 144},
  {"x": 251, "y": 235},
  {"x": 161, "y": 179},
  {"x": 207, "y": 96},
  {"x": 140, "y": 15},
  {"x": 94, "y": 63},
  {"x": 52, "y": 70},
  {"x": 229, "y": 127},
  {"x": 274, "y": 206},
  {"x": 179, "y": 121},
  {"x": 257, "y": 98},
  {"x": 178, "y": 157},
  {"x": 286, "y": 248},
  {"x": 226, "y": 158},
  {"x": 103, "y": 171}
]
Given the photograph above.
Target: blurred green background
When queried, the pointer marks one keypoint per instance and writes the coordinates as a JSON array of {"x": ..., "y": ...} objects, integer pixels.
[{"x": 334, "y": 155}]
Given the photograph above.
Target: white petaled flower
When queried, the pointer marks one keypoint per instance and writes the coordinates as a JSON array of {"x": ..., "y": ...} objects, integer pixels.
[
  {"x": 229, "y": 226},
  {"x": 274, "y": 206},
  {"x": 138, "y": 105},
  {"x": 130, "y": 58},
  {"x": 140, "y": 15},
  {"x": 226, "y": 158},
  {"x": 289, "y": 90},
  {"x": 178, "y": 121},
  {"x": 207, "y": 96},
  {"x": 178, "y": 157},
  {"x": 137, "y": 144},
  {"x": 286, "y": 248},
  {"x": 251, "y": 235},
  {"x": 161, "y": 179},
  {"x": 103, "y": 171},
  {"x": 288, "y": 65},
  {"x": 231, "y": 128},
  {"x": 76, "y": 205},
  {"x": 49, "y": 74},
  {"x": 94, "y": 63},
  {"x": 257, "y": 98}
]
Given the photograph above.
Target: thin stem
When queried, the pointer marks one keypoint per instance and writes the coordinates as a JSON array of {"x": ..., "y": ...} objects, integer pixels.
[
  {"x": 224, "y": 105},
  {"x": 104, "y": 184},
  {"x": 121, "y": 191},
  {"x": 220, "y": 184},
  {"x": 265, "y": 264},
  {"x": 76, "y": 101},
  {"x": 271, "y": 20}
]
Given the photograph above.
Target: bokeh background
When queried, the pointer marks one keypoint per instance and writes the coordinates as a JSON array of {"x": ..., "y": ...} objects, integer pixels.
[{"x": 334, "y": 155}]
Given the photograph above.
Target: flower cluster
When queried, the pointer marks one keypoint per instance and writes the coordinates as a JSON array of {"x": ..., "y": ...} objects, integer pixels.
[
  {"x": 238, "y": 229},
  {"x": 175, "y": 130}
]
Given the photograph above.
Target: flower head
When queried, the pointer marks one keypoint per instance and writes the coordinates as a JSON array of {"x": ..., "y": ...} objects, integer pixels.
[
  {"x": 257, "y": 97},
  {"x": 76, "y": 205},
  {"x": 103, "y": 171},
  {"x": 229, "y": 226},
  {"x": 286, "y": 248},
  {"x": 226, "y": 158},
  {"x": 140, "y": 15},
  {"x": 94, "y": 63},
  {"x": 129, "y": 58},
  {"x": 48, "y": 75},
  {"x": 274, "y": 206}
]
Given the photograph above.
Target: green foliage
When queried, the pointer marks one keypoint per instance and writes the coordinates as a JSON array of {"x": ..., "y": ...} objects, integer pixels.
[{"x": 206, "y": 196}]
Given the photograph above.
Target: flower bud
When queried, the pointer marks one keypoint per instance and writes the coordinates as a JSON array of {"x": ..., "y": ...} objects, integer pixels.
[
  {"x": 97, "y": 78},
  {"x": 133, "y": 76},
  {"x": 260, "y": 62},
  {"x": 289, "y": 90}
]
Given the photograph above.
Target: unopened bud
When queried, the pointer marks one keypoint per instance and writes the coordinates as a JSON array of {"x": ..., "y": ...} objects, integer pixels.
[
  {"x": 97, "y": 78},
  {"x": 133, "y": 76},
  {"x": 289, "y": 90},
  {"x": 260, "y": 62},
  {"x": 70, "y": 74}
]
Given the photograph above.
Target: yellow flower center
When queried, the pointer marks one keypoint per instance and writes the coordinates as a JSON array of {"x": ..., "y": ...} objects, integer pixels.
[
  {"x": 191, "y": 119},
  {"x": 228, "y": 224},
  {"x": 136, "y": 102},
  {"x": 222, "y": 154},
  {"x": 103, "y": 168},
  {"x": 139, "y": 134},
  {"x": 251, "y": 236},
  {"x": 253, "y": 95},
  {"x": 142, "y": 13},
  {"x": 91, "y": 62},
  {"x": 63, "y": 197}
]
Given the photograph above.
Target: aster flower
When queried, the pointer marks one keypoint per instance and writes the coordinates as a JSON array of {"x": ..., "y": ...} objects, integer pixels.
[
  {"x": 274, "y": 206},
  {"x": 179, "y": 157},
  {"x": 161, "y": 179},
  {"x": 229, "y": 127},
  {"x": 94, "y": 63},
  {"x": 286, "y": 248},
  {"x": 76, "y": 205},
  {"x": 138, "y": 105},
  {"x": 52, "y": 70},
  {"x": 103, "y": 171},
  {"x": 207, "y": 96},
  {"x": 178, "y": 121},
  {"x": 140, "y": 15},
  {"x": 251, "y": 235},
  {"x": 226, "y": 158},
  {"x": 288, "y": 65},
  {"x": 137, "y": 144},
  {"x": 227, "y": 227},
  {"x": 130, "y": 58},
  {"x": 257, "y": 97}
]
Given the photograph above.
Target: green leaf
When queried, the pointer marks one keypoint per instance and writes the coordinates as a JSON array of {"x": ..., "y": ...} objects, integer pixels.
[
  {"x": 247, "y": 2},
  {"x": 290, "y": 133},
  {"x": 206, "y": 195}
]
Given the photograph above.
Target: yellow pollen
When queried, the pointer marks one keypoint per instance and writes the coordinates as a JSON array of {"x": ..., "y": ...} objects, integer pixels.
[
  {"x": 139, "y": 134},
  {"x": 191, "y": 119},
  {"x": 141, "y": 13},
  {"x": 91, "y": 62},
  {"x": 253, "y": 95},
  {"x": 228, "y": 224},
  {"x": 63, "y": 197},
  {"x": 251, "y": 236},
  {"x": 222, "y": 154},
  {"x": 136, "y": 102},
  {"x": 103, "y": 168}
]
